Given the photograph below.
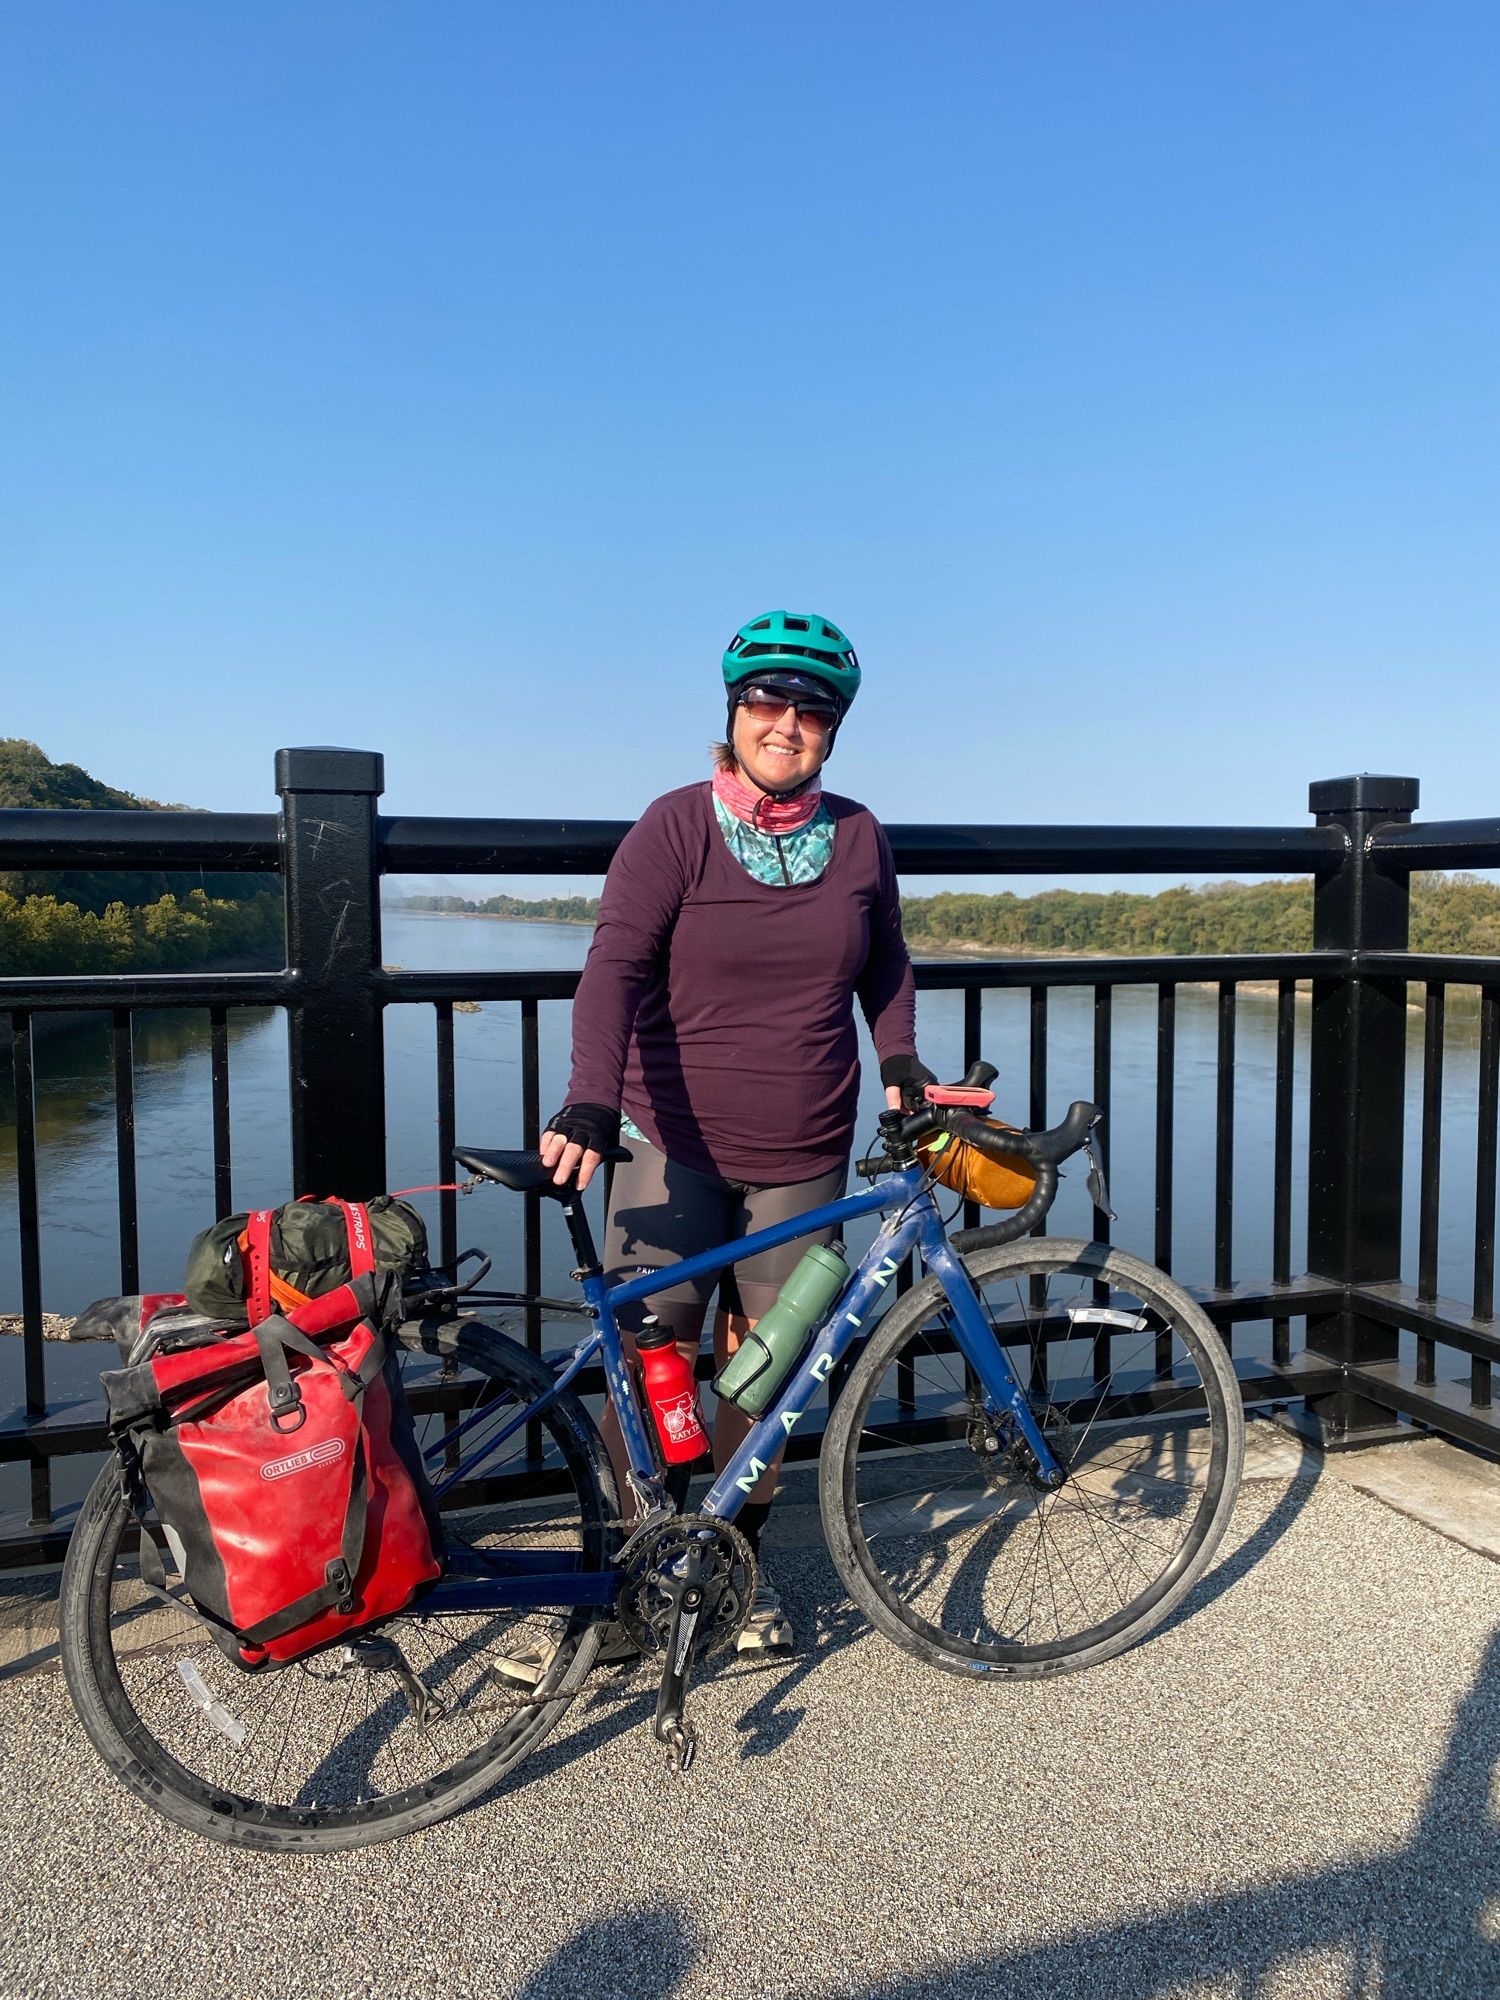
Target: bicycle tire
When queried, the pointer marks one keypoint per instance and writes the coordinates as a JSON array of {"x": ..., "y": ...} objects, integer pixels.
[
  {"x": 948, "y": 1533},
  {"x": 331, "y": 1753}
]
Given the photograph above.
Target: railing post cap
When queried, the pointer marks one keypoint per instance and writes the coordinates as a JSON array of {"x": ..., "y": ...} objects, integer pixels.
[
  {"x": 325, "y": 769},
  {"x": 1365, "y": 792}
]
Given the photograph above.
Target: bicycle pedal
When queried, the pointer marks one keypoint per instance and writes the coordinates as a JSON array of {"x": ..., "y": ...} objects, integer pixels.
[{"x": 682, "y": 1747}]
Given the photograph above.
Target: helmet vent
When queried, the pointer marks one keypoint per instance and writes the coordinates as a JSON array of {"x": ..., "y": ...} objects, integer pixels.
[
  {"x": 761, "y": 625},
  {"x": 736, "y": 642},
  {"x": 754, "y": 652},
  {"x": 797, "y": 625}
]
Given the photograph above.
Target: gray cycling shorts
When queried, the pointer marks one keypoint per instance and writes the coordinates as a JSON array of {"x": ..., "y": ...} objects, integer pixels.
[{"x": 660, "y": 1211}]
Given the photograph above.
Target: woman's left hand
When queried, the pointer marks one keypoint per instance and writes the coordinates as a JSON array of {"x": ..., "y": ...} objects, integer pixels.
[{"x": 905, "y": 1078}]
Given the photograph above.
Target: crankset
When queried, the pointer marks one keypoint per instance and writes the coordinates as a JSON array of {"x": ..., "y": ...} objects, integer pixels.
[
  {"x": 654, "y": 1569},
  {"x": 689, "y": 1586}
]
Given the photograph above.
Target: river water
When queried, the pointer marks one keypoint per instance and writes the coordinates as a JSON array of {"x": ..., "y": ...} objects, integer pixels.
[{"x": 79, "y": 1238}]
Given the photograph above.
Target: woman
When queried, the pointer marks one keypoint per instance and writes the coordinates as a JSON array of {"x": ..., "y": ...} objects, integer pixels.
[{"x": 713, "y": 1030}]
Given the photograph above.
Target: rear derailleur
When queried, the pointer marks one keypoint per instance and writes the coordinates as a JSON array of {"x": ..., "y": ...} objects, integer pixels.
[
  {"x": 377, "y": 1653},
  {"x": 689, "y": 1586}
]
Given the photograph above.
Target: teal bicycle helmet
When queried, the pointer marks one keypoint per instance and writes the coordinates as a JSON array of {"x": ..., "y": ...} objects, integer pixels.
[{"x": 796, "y": 643}]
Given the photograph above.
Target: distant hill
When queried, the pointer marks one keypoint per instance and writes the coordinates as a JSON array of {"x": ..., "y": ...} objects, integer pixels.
[{"x": 29, "y": 778}]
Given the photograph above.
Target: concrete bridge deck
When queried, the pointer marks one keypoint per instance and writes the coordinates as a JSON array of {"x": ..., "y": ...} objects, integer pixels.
[{"x": 1290, "y": 1791}]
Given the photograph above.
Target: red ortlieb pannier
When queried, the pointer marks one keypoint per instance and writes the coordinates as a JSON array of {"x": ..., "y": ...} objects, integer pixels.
[{"x": 282, "y": 1467}]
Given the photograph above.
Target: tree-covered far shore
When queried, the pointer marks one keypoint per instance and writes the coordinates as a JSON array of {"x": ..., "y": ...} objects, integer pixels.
[
  {"x": 41, "y": 936},
  {"x": 78, "y": 921},
  {"x": 1449, "y": 913}
]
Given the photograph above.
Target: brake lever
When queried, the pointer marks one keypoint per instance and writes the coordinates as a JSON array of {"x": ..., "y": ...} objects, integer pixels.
[{"x": 1097, "y": 1187}]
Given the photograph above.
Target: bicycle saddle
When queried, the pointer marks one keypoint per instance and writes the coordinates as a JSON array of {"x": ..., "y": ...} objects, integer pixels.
[{"x": 523, "y": 1173}]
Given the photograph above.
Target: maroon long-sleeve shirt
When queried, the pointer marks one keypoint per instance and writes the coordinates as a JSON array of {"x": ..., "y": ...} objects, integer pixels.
[{"x": 718, "y": 1011}]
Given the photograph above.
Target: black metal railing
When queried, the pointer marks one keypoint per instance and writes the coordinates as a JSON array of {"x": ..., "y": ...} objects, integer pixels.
[{"x": 1371, "y": 1345}]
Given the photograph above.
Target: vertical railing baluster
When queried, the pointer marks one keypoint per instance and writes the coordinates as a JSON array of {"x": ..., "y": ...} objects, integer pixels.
[
  {"x": 1037, "y": 1108},
  {"x": 531, "y": 1242},
  {"x": 1281, "y": 1174},
  {"x": 1224, "y": 1147},
  {"x": 28, "y": 1215},
  {"x": 1166, "y": 1063},
  {"x": 447, "y": 1124},
  {"x": 122, "y": 1049},
  {"x": 1103, "y": 1062},
  {"x": 906, "y": 1374},
  {"x": 1037, "y": 1116},
  {"x": 1484, "y": 1165},
  {"x": 218, "y": 1071},
  {"x": 1433, "y": 1038},
  {"x": 531, "y": 1138},
  {"x": 1432, "y": 1140},
  {"x": 973, "y": 1029}
]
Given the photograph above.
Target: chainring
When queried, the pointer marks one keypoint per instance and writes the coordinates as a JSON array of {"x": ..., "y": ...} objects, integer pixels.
[{"x": 645, "y": 1608}]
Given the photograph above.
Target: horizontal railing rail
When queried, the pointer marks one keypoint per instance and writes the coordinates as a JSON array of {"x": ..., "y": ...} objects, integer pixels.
[
  {"x": 1375, "y": 1346},
  {"x": 42, "y": 839},
  {"x": 1438, "y": 844}
]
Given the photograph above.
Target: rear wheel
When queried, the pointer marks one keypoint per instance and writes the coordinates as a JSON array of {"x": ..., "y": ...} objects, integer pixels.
[
  {"x": 400, "y": 1727},
  {"x": 953, "y": 1547}
]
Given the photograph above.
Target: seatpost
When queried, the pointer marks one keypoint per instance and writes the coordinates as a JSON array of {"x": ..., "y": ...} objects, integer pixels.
[{"x": 582, "y": 1236}]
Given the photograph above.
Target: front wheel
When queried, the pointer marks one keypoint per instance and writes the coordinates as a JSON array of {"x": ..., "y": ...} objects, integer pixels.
[
  {"x": 403, "y": 1725},
  {"x": 952, "y": 1544}
]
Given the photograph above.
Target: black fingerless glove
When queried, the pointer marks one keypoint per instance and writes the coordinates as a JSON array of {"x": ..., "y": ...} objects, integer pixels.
[
  {"x": 593, "y": 1126},
  {"x": 911, "y": 1074}
]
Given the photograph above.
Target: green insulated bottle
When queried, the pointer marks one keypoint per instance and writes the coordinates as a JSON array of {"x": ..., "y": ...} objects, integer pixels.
[{"x": 773, "y": 1346}]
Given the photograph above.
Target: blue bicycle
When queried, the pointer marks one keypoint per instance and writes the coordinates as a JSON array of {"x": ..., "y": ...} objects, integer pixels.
[{"x": 1030, "y": 1459}]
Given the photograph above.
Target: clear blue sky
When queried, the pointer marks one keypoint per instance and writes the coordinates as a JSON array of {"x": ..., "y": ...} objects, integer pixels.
[{"x": 452, "y": 380}]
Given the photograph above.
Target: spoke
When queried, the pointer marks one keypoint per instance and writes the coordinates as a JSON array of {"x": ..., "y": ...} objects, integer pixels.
[
  {"x": 1051, "y": 1592},
  {"x": 1104, "y": 1562},
  {"x": 343, "y": 1736},
  {"x": 266, "y": 1708},
  {"x": 1132, "y": 1470},
  {"x": 1113, "y": 1528},
  {"x": 1083, "y": 1502},
  {"x": 922, "y": 1486},
  {"x": 1068, "y": 1572},
  {"x": 281, "y": 1753},
  {"x": 1035, "y": 1552}
]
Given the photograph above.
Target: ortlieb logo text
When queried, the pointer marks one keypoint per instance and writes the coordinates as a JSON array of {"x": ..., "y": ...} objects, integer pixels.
[{"x": 301, "y": 1461}]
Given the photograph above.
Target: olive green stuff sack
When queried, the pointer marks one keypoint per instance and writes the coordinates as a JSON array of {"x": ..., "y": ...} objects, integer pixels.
[{"x": 309, "y": 1249}]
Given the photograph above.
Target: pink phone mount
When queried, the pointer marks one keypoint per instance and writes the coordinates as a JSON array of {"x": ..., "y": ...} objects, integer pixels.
[{"x": 953, "y": 1093}]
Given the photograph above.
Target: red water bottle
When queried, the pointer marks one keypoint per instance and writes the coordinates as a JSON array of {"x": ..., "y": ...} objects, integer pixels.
[{"x": 673, "y": 1395}]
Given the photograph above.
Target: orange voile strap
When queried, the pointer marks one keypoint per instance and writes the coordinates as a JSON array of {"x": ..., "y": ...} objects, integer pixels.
[{"x": 265, "y": 1288}]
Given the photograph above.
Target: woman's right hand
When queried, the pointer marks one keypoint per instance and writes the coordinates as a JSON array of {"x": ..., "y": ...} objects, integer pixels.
[{"x": 576, "y": 1140}]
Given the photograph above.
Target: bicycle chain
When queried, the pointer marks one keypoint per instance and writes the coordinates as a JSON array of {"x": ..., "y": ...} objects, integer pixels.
[{"x": 507, "y": 1704}]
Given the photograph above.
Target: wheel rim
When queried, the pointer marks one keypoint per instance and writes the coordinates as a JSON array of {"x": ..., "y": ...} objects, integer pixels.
[
  {"x": 961, "y": 1544},
  {"x": 338, "y": 1741}
]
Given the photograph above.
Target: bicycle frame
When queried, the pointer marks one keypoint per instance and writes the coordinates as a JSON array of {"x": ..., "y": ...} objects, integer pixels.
[{"x": 913, "y": 1223}]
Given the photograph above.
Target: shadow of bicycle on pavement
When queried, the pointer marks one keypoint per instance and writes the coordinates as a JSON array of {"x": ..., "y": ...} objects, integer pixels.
[{"x": 1420, "y": 1923}]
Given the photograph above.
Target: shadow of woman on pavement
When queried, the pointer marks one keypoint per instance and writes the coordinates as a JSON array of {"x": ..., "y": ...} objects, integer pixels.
[{"x": 641, "y": 1954}]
